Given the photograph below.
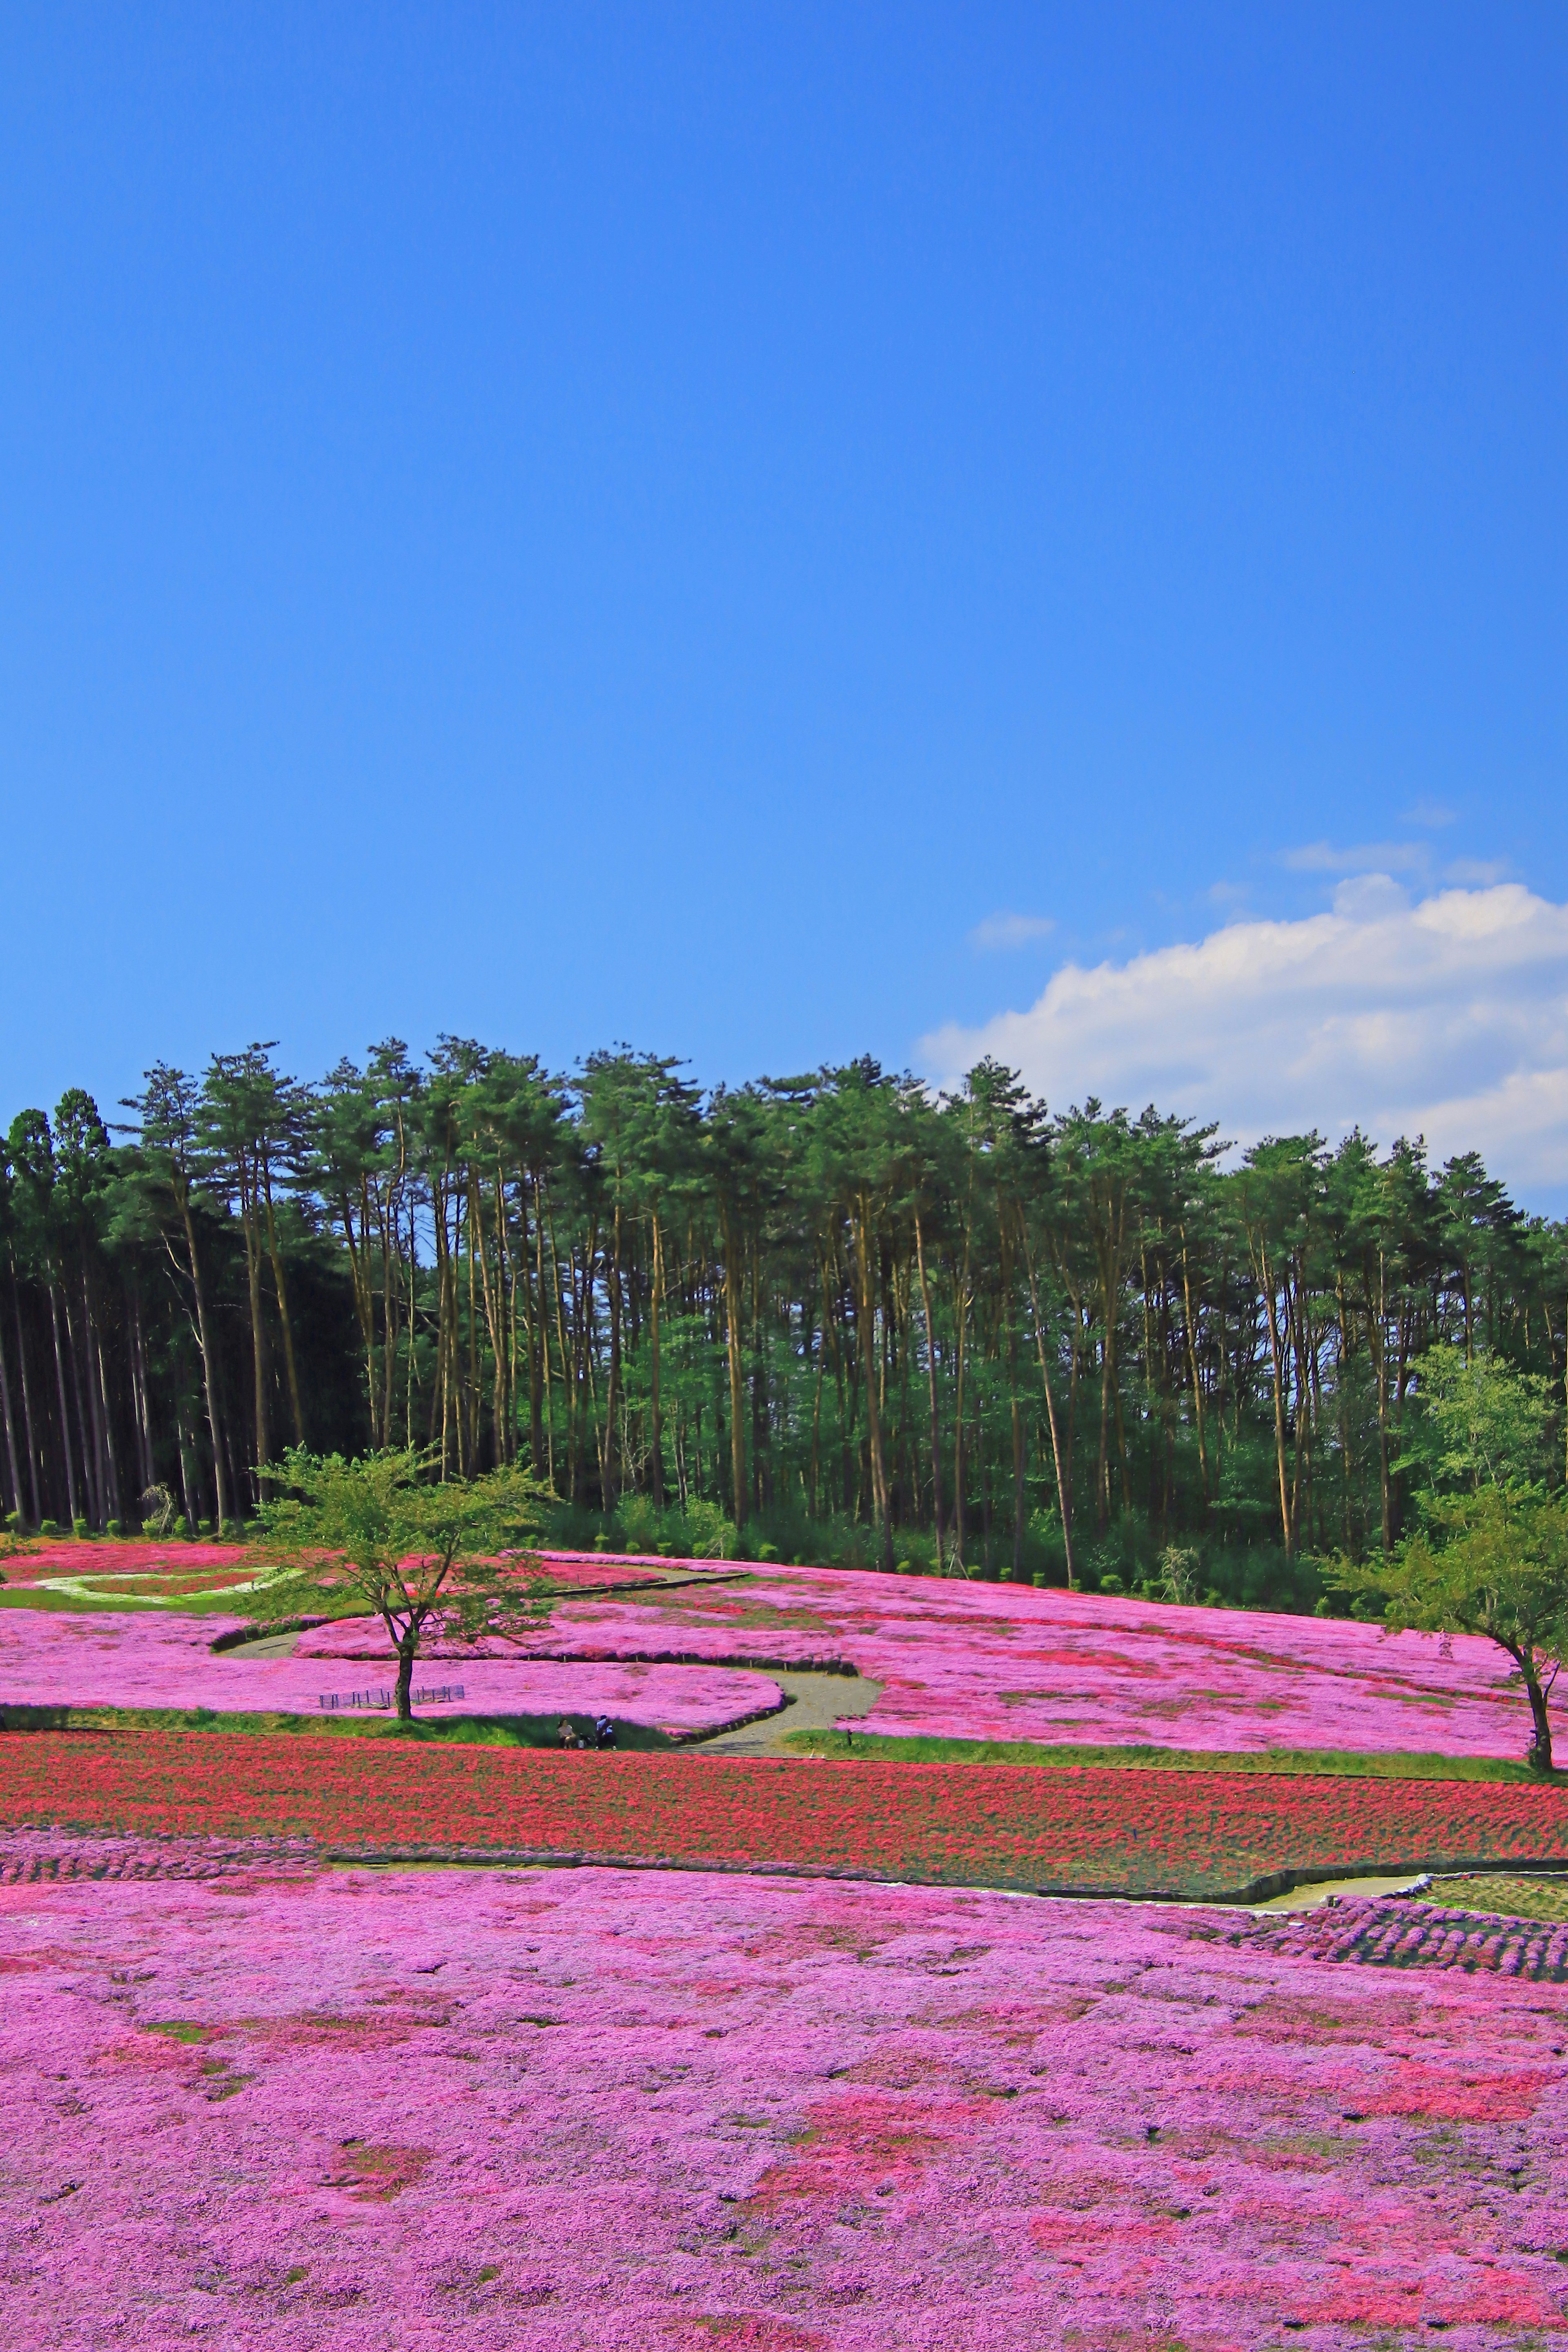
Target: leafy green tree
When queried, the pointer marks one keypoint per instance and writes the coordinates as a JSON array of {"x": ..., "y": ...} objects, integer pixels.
[
  {"x": 403, "y": 1542},
  {"x": 1490, "y": 1555},
  {"x": 1494, "y": 1561},
  {"x": 862, "y": 1321},
  {"x": 1478, "y": 1421}
]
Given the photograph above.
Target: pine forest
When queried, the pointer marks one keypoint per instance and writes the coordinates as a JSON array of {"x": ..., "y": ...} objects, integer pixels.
[{"x": 829, "y": 1317}]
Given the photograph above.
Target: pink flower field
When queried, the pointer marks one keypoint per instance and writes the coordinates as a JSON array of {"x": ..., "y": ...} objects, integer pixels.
[
  {"x": 971, "y": 1660},
  {"x": 162, "y": 1660},
  {"x": 154, "y": 1570},
  {"x": 1000, "y": 1662},
  {"x": 209, "y": 1563},
  {"x": 257, "y": 2101}
]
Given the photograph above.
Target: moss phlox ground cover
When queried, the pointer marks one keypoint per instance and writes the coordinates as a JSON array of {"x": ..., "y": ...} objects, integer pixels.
[
  {"x": 986, "y": 1662},
  {"x": 153, "y": 1572},
  {"x": 163, "y": 1660},
  {"x": 299, "y": 2108},
  {"x": 955, "y": 1659}
]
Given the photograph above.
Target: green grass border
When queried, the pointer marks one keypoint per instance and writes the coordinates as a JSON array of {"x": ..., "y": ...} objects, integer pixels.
[
  {"x": 447, "y": 1730},
  {"x": 1330, "y": 1762},
  {"x": 121, "y": 1604},
  {"x": 539, "y": 1732}
]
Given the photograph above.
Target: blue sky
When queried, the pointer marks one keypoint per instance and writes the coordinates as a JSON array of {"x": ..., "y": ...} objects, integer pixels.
[{"x": 771, "y": 532}]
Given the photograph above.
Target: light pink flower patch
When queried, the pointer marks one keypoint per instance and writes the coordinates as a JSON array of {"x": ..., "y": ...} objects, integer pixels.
[
  {"x": 166, "y": 1661},
  {"x": 280, "y": 2108},
  {"x": 987, "y": 1661}
]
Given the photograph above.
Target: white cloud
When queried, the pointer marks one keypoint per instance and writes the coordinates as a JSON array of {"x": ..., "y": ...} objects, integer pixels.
[
  {"x": 1002, "y": 932},
  {"x": 1360, "y": 857},
  {"x": 1445, "y": 1016},
  {"x": 1436, "y": 814}
]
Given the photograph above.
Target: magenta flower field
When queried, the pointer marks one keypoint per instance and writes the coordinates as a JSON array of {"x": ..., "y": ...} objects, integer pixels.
[
  {"x": 164, "y": 1660},
  {"x": 254, "y": 2102},
  {"x": 253, "y": 2097},
  {"x": 978, "y": 1661},
  {"x": 973, "y": 1661}
]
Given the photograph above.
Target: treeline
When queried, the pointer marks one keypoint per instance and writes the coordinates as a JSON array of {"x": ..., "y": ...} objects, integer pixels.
[{"x": 822, "y": 1316}]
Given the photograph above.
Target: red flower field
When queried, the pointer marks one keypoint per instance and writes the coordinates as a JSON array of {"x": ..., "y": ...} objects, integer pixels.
[{"x": 968, "y": 1825}]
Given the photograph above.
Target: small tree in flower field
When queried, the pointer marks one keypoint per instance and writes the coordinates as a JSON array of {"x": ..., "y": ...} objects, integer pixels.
[
  {"x": 405, "y": 1542},
  {"x": 1490, "y": 1553}
]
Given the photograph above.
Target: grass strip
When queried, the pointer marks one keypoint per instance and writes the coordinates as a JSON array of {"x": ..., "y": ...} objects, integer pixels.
[
  {"x": 336, "y": 1723},
  {"x": 1503, "y": 1897},
  {"x": 1320, "y": 1763}
]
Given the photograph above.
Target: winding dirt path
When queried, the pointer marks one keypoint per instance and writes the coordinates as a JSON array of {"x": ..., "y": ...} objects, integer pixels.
[{"x": 812, "y": 1703}]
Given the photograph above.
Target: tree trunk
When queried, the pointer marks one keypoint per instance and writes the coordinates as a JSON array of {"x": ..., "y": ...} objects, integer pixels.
[
  {"x": 1193, "y": 1366},
  {"x": 365, "y": 1304},
  {"x": 541, "y": 1417},
  {"x": 26, "y": 1402},
  {"x": 494, "y": 1305},
  {"x": 1063, "y": 1469},
  {"x": 144, "y": 1406},
  {"x": 408, "y": 1648},
  {"x": 930, "y": 1384},
  {"x": 110, "y": 1468},
  {"x": 737, "y": 1378},
  {"x": 86, "y": 1426},
  {"x": 10, "y": 1434},
  {"x": 657, "y": 1464},
  {"x": 867, "y": 1319},
  {"x": 609, "y": 1476},
  {"x": 961, "y": 1320},
  {"x": 209, "y": 1369},
  {"x": 290, "y": 1373},
  {"x": 1377, "y": 1336},
  {"x": 257, "y": 1328},
  {"x": 65, "y": 1415},
  {"x": 187, "y": 1448},
  {"x": 762, "y": 1463},
  {"x": 1266, "y": 1285},
  {"x": 1539, "y": 1755},
  {"x": 96, "y": 1402}
]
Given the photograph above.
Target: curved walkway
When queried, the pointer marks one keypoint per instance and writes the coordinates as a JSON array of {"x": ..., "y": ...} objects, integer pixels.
[{"x": 812, "y": 1703}]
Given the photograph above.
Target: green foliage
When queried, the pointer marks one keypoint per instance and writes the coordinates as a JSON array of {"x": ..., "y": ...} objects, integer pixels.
[
  {"x": 159, "y": 1512},
  {"x": 1477, "y": 1422},
  {"x": 1492, "y": 1561},
  {"x": 1179, "y": 1566},
  {"x": 1490, "y": 1553},
  {"x": 930, "y": 1748},
  {"x": 818, "y": 1317},
  {"x": 396, "y": 1538}
]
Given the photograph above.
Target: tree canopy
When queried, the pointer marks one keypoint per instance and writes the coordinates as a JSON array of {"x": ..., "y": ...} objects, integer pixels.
[
  {"x": 1489, "y": 1553},
  {"x": 404, "y": 1543},
  {"x": 828, "y": 1311}
]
